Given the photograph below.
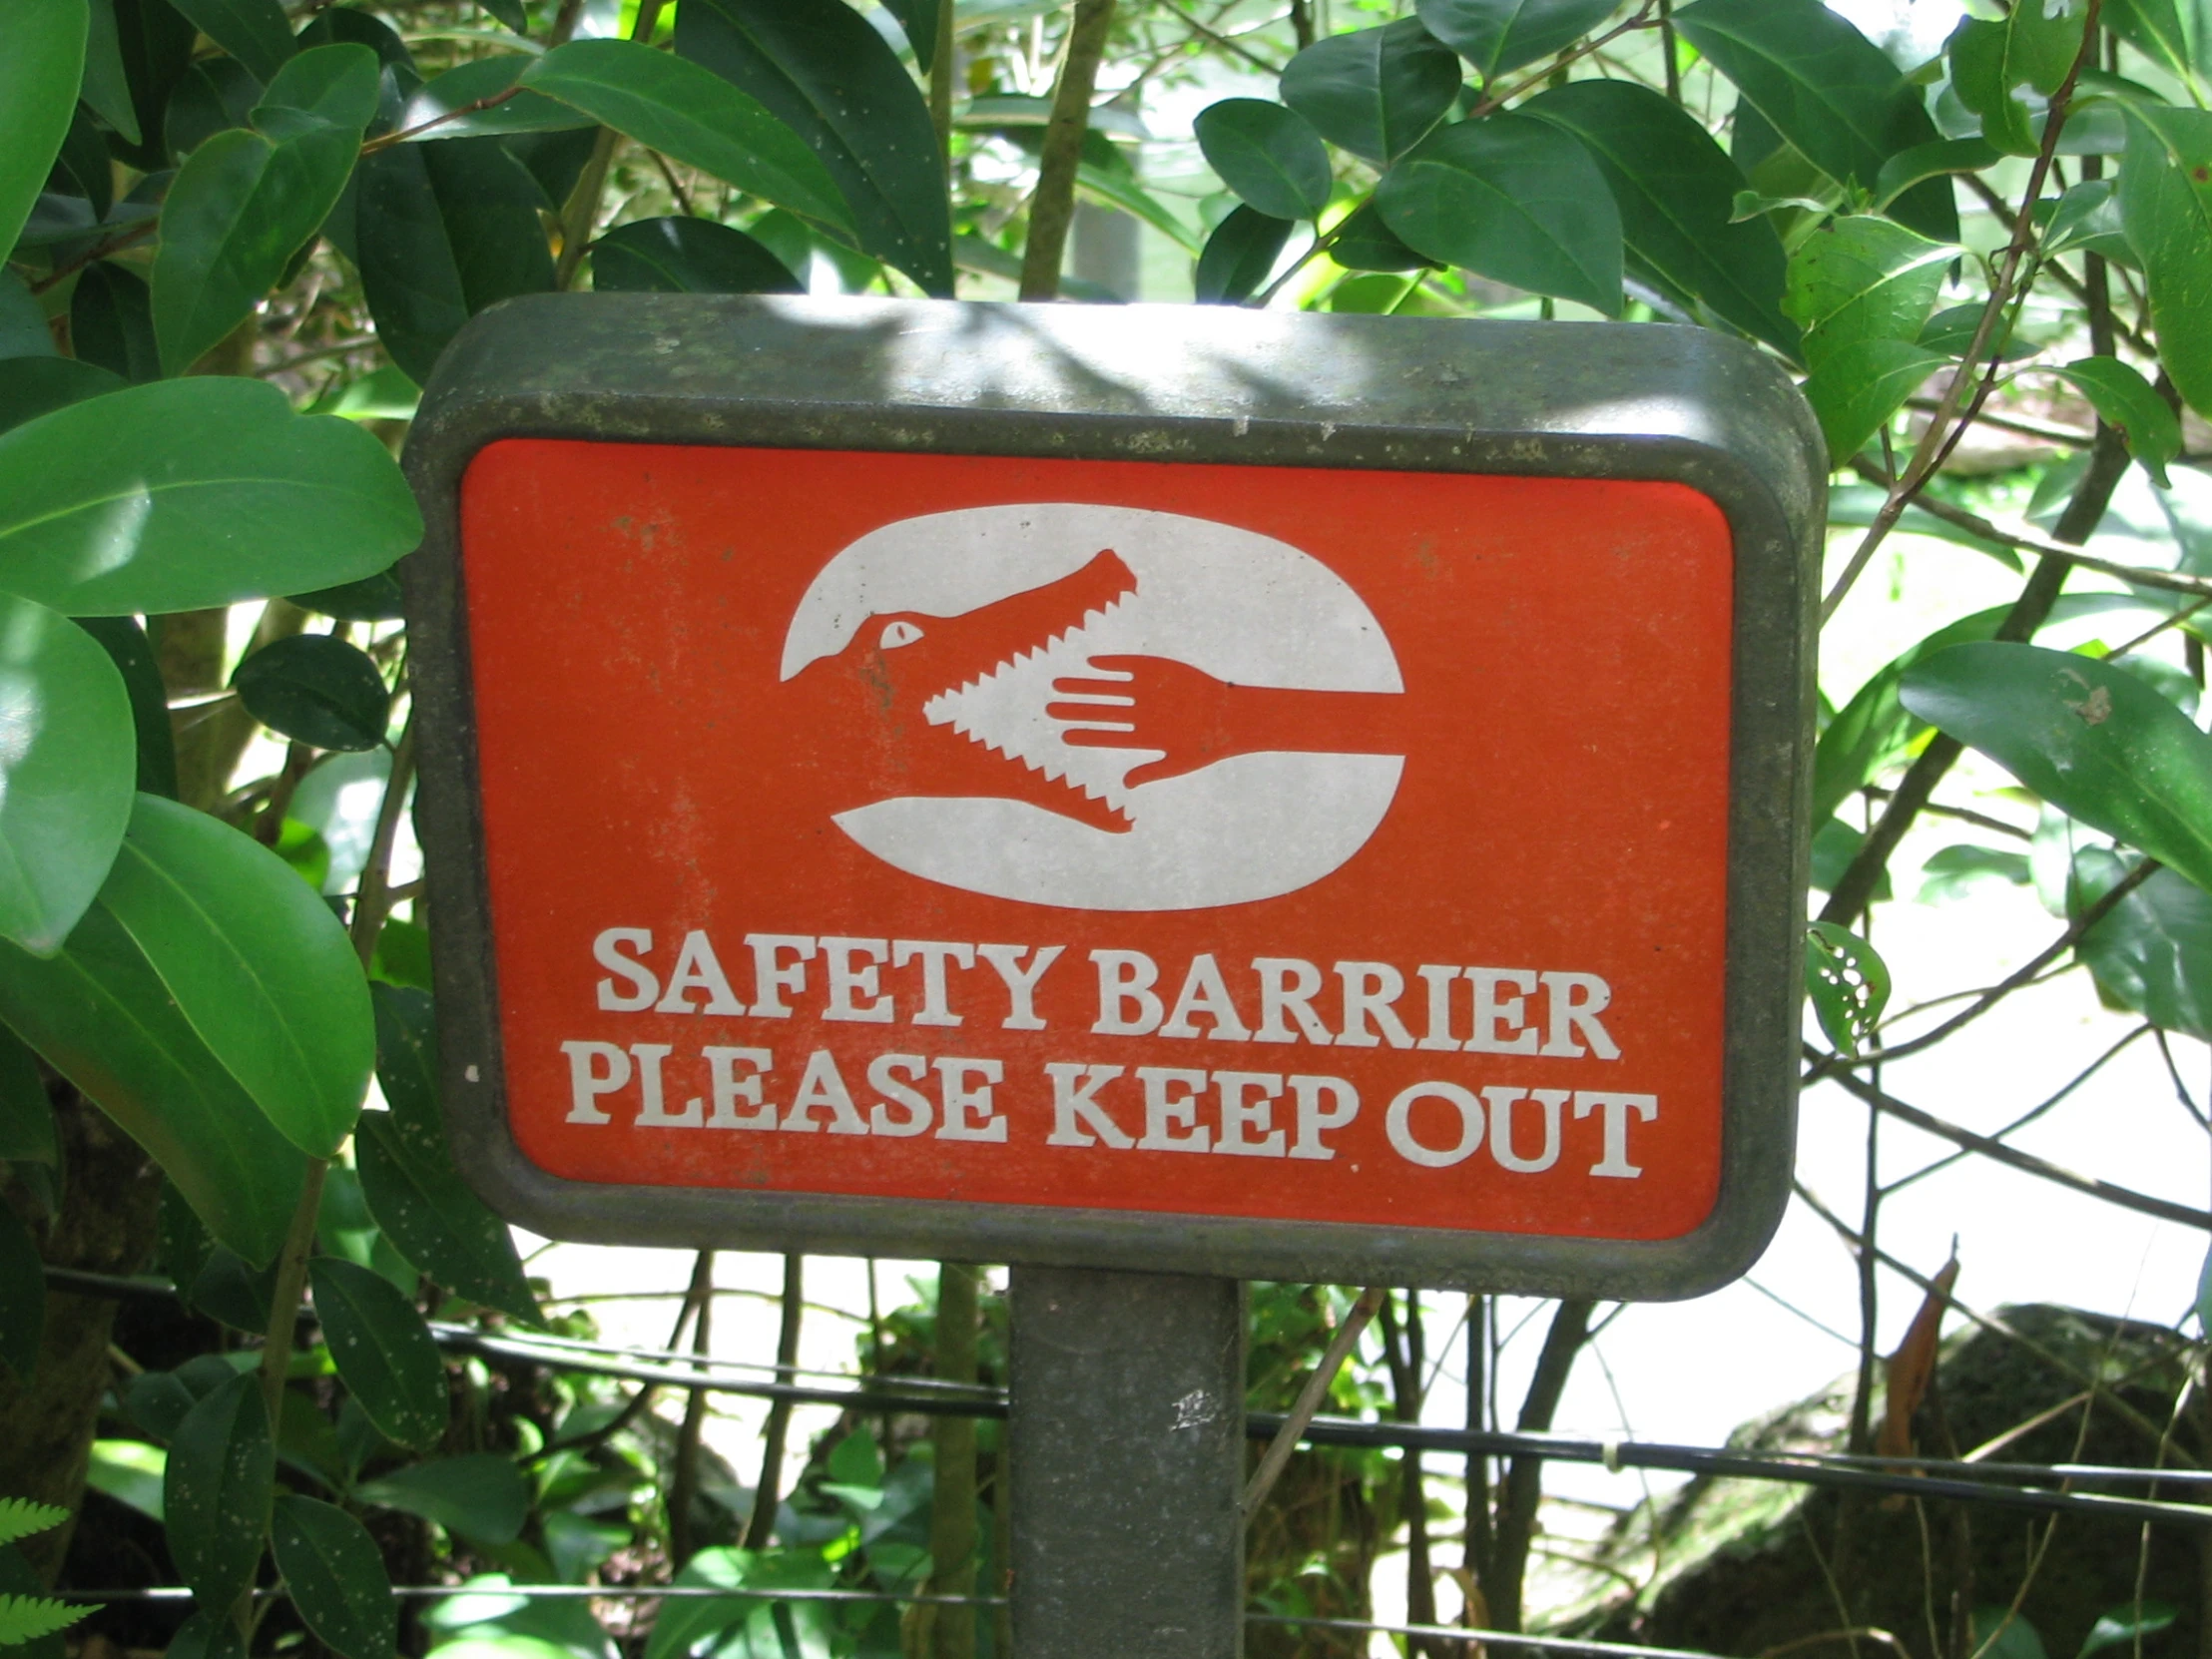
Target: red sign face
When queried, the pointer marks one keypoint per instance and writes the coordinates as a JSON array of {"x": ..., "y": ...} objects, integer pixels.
[{"x": 1228, "y": 841}]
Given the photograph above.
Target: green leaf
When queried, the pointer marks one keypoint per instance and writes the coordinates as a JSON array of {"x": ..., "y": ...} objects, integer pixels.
[
  {"x": 1375, "y": 91},
  {"x": 157, "y": 44},
  {"x": 2130, "y": 407},
  {"x": 1847, "y": 982},
  {"x": 822, "y": 68},
  {"x": 2088, "y": 216},
  {"x": 127, "y": 646},
  {"x": 25, "y": 1619},
  {"x": 26, "y": 1115},
  {"x": 66, "y": 774},
  {"x": 39, "y": 74},
  {"x": 473, "y": 83},
  {"x": 245, "y": 200},
  {"x": 1922, "y": 162},
  {"x": 1954, "y": 872},
  {"x": 336, "y": 1578},
  {"x": 207, "y": 1634},
  {"x": 2152, "y": 952},
  {"x": 216, "y": 1495},
  {"x": 1364, "y": 243},
  {"x": 408, "y": 1176},
  {"x": 257, "y": 963},
  {"x": 192, "y": 494},
  {"x": 1513, "y": 198},
  {"x": 1871, "y": 732},
  {"x": 24, "y": 335},
  {"x": 1269, "y": 155},
  {"x": 384, "y": 1351},
  {"x": 444, "y": 229},
  {"x": 1676, "y": 192},
  {"x": 107, "y": 87},
  {"x": 111, "y": 322},
  {"x": 1858, "y": 278},
  {"x": 2175, "y": 37},
  {"x": 316, "y": 689},
  {"x": 1999, "y": 1633},
  {"x": 22, "y": 1296},
  {"x": 483, "y": 1496},
  {"x": 2166, "y": 207},
  {"x": 686, "y": 255},
  {"x": 690, "y": 114},
  {"x": 1497, "y": 35},
  {"x": 2089, "y": 737},
  {"x": 1859, "y": 387},
  {"x": 2034, "y": 46},
  {"x": 1240, "y": 256},
  {"x": 745, "y": 1623},
  {"x": 2125, "y": 1623},
  {"x": 23, "y": 1517},
  {"x": 371, "y": 599},
  {"x": 253, "y": 31},
  {"x": 1828, "y": 90},
  {"x": 1115, "y": 187}
]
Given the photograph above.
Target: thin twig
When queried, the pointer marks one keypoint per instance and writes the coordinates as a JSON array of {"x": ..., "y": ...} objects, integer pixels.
[{"x": 1309, "y": 1399}]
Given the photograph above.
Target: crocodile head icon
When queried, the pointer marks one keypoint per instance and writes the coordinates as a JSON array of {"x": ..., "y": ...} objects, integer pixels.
[{"x": 880, "y": 705}]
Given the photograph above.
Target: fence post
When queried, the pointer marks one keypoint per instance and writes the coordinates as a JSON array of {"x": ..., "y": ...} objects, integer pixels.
[{"x": 1127, "y": 1445}]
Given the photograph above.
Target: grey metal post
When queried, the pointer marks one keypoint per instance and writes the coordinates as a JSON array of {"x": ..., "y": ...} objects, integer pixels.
[{"x": 1128, "y": 1462}]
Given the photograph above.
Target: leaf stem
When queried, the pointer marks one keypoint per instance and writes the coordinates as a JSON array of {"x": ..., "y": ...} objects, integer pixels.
[{"x": 373, "y": 899}]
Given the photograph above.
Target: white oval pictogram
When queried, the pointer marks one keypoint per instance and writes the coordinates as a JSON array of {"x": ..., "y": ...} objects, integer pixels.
[{"x": 1174, "y": 712}]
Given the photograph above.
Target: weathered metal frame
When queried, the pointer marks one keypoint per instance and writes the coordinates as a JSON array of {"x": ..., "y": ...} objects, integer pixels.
[{"x": 1157, "y": 383}]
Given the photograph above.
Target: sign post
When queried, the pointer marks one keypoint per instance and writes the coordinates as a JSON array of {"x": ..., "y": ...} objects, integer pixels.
[{"x": 1122, "y": 791}]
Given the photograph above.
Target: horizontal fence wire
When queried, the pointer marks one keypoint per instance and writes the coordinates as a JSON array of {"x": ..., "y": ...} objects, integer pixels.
[{"x": 2031, "y": 1486}]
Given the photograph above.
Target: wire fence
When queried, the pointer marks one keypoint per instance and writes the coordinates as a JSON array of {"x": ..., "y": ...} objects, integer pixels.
[{"x": 2043, "y": 1488}]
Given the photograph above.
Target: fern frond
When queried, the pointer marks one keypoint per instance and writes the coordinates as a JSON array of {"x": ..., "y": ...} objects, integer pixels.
[
  {"x": 27, "y": 1619},
  {"x": 21, "y": 1516}
]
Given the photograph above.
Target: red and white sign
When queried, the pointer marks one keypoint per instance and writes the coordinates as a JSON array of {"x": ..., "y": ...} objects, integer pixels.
[{"x": 1247, "y": 841}]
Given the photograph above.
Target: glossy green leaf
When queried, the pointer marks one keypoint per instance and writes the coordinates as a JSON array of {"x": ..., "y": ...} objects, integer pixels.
[
  {"x": 155, "y": 43},
  {"x": 107, "y": 87},
  {"x": 2152, "y": 952},
  {"x": 1849, "y": 985},
  {"x": 1860, "y": 278},
  {"x": 257, "y": 963},
  {"x": 1375, "y": 91},
  {"x": 111, "y": 322},
  {"x": 1859, "y": 386},
  {"x": 2174, "y": 34},
  {"x": 22, "y": 1296},
  {"x": 127, "y": 646},
  {"x": 2088, "y": 216},
  {"x": 66, "y": 775},
  {"x": 371, "y": 599},
  {"x": 823, "y": 70},
  {"x": 447, "y": 99},
  {"x": 191, "y": 493},
  {"x": 2089, "y": 737},
  {"x": 1954, "y": 872},
  {"x": 84, "y": 167},
  {"x": 1240, "y": 256},
  {"x": 1269, "y": 154},
  {"x": 483, "y": 1496},
  {"x": 1676, "y": 191},
  {"x": 444, "y": 229},
  {"x": 29, "y": 386},
  {"x": 690, "y": 114},
  {"x": 384, "y": 1351},
  {"x": 1828, "y": 90},
  {"x": 2126, "y": 1623},
  {"x": 23, "y": 329},
  {"x": 336, "y": 1578},
  {"x": 1836, "y": 845},
  {"x": 686, "y": 255},
  {"x": 315, "y": 688},
  {"x": 1999, "y": 1632},
  {"x": 26, "y": 1115},
  {"x": 1497, "y": 35},
  {"x": 1117, "y": 187},
  {"x": 247, "y": 201},
  {"x": 1869, "y": 734},
  {"x": 253, "y": 31},
  {"x": 2033, "y": 46},
  {"x": 739, "y": 1622},
  {"x": 408, "y": 1176},
  {"x": 216, "y": 1495},
  {"x": 207, "y": 1634},
  {"x": 1364, "y": 243},
  {"x": 1513, "y": 198},
  {"x": 1922, "y": 162},
  {"x": 2131, "y": 408},
  {"x": 2166, "y": 207},
  {"x": 213, "y": 95},
  {"x": 38, "y": 73}
]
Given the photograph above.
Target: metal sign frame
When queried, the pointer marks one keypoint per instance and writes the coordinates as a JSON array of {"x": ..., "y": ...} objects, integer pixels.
[{"x": 1173, "y": 383}]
